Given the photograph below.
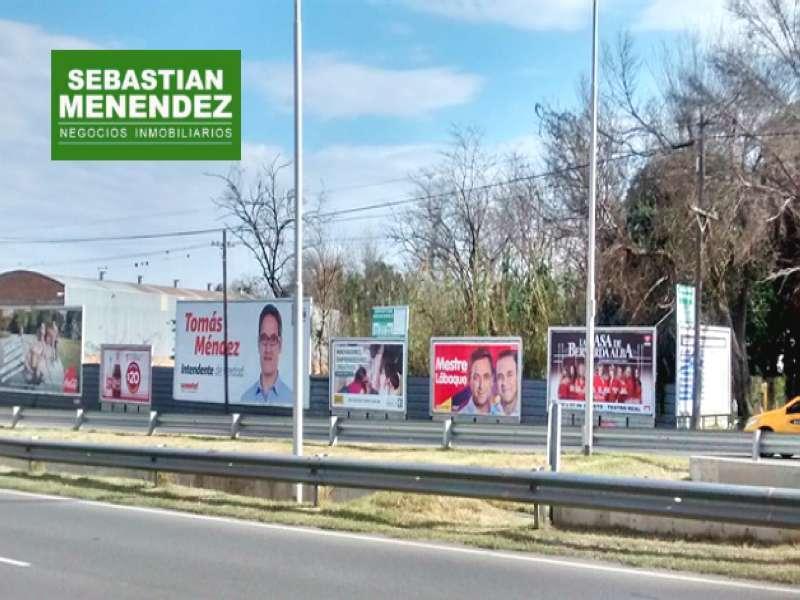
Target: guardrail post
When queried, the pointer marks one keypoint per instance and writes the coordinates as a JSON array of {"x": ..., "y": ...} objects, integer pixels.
[
  {"x": 333, "y": 432},
  {"x": 153, "y": 423},
  {"x": 757, "y": 444},
  {"x": 447, "y": 433},
  {"x": 80, "y": 417},
  {"x": 236, "y": 425},
  {"x": 16, "y": 416},
  {"x": 554, "y": 437}
]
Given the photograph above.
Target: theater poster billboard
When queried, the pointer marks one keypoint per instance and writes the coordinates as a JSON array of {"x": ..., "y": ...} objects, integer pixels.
[
  {"x": 125, "y": 374},
  {"x": 41, "y": 349},
  {"x": 476, "y": 377},
  {"x": 368, "y": 374},
  {"x": 260, "y": 352},
  {"x": 625, "y": 361}
]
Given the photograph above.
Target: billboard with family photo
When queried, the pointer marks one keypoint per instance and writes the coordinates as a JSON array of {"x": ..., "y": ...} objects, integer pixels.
[
  {"x": 476, "y": 377},
  {"x": 125, "y": 373},
  {"x": 368, "y": 374},
  {"x": 624, "y": 378},
  {"x": 41, "y": 350},
  {"x": 260, "y": 352}
]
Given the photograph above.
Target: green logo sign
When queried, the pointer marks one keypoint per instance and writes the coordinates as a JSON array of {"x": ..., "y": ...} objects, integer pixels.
[
  {"x": 390, "y": 321},
  {"x": 145, "y": 104}
]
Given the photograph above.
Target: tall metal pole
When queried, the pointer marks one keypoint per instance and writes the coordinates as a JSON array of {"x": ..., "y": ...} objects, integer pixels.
[
  {"x": 588, "y": 416},
  {"x": 299, "y": 367},
  {"x": 225, "y": 315},
  {"x": 697, "y": 375}
]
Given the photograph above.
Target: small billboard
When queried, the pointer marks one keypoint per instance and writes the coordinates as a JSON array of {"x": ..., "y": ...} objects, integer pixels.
[{"x": 368, "y": 374}]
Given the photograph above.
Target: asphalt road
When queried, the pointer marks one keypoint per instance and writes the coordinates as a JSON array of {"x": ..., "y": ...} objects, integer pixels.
[{"x": 67, "y": 549}]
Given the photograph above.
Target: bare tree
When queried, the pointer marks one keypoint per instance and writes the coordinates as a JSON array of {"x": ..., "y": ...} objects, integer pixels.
[
  {"x": 454, "y": 231},
  {"x": 263, "y": 216}
]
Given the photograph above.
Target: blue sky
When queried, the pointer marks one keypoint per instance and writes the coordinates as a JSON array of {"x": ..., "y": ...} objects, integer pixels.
[{"x": 385, "y": 82}]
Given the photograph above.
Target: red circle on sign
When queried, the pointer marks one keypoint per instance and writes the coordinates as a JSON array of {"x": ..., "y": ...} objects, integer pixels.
[{"x": 133, "y": 377}]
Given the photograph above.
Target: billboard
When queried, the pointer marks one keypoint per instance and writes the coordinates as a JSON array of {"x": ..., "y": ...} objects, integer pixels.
[
  {"x": 260, "y": 352},
  {"x": 476, "y": 377},
  {"x": 368, "y": 374},
  {"x": 625, "y": 368},
  {"x": 125, "y": 374},
  {"x": 41, "y": 349},
  {"x": 715, "y": 371}
]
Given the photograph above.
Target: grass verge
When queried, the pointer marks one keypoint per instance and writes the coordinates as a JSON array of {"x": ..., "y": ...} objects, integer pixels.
[{"x": 486, "y": 524}]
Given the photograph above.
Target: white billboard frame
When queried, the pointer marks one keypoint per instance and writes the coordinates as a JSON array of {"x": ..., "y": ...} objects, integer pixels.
[
  {"x": 598, "y": 329},
  {"x": 343, "y": 410},
  {"x": 65, "y": 307},
  {"x": 467, "y": 340},
  {"x": 287, "y": 316},
  {"x": 126, "y": 348}
]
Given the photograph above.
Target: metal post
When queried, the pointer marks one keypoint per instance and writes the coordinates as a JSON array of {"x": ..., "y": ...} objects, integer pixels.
[
  {"x": 697, "y": 379},
  {"x": 299, "y": 367},
  {"x": 16, "y": 416},
  {"x": 554, "y": 437},
  {"x": 447, "y": 433},
  {"x": 757, "y": 444},
  {"x": 333, "y": 432},
  {"x": 588, "y": 419},
  {"x": 225, "y": 315}
]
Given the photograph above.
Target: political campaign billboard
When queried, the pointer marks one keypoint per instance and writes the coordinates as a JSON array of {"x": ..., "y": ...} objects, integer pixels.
[
  {"x": 476, "y": 377},
  {"x": 260, "y": 351},
  {"x": 368, "y": 374},
  {"x": 125, "y": 374},
  {"x": 41, "y": 349},
  {"x": 624, "y": 379}
]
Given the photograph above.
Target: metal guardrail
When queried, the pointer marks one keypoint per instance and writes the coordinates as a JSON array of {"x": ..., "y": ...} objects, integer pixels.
[
  {"x": 441, "y": 433},
  {"x": 767, "y": 444},
  {"x": 747, "y": 505}
]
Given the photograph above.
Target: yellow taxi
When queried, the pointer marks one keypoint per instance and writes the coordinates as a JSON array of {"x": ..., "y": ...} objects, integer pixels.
[{"x": 785, "y": 419}]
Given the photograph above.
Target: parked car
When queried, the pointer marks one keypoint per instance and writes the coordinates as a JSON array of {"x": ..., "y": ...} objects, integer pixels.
[{"x": 785, "y": 419}]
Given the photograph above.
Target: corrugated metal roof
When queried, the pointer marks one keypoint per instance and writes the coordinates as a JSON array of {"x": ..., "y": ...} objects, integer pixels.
[{"x": 144, "y": 288}]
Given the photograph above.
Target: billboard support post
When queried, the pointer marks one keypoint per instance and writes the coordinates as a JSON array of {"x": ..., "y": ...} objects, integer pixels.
[
  {"x": 297, "y": 441},
  {"x": 588, "y": 419},
  {"x": 554, "y": 437}
]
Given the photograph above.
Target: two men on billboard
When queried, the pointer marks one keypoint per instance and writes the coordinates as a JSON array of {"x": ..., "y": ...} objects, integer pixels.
[
  {"x": 269, "y": 388},
  {"x": 476, "y": 378},
  {"x": 492, "y": 388}
]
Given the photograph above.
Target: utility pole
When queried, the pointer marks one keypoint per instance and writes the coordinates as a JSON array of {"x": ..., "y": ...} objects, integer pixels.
[
  {"x": 588, "y": 417},
  {"x": 225, "y": 315},
  {"x": 702, "y": 221},
  {"x": 299, "y": 367}
]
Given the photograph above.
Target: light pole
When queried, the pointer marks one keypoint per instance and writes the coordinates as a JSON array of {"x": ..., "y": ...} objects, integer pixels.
[
  {"x": 299, "y": 367},
  {"x": 588, "y": 416}
]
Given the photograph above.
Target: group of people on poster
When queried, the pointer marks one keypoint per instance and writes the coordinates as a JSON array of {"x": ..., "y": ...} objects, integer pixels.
[
  {"x": 614, "y": 383},
  {"x": 41, "y": 363}
]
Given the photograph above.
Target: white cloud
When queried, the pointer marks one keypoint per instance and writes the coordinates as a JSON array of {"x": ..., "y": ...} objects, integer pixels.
[
  {"x": 707, "y": 16},
  {"x": 337, "y": 88},
  {"x": 537, "y": 15}
]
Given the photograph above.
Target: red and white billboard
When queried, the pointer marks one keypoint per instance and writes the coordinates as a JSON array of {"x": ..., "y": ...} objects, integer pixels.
[
  {"x": 476, "y": 377},
  {"x": 125, "y": 374}
]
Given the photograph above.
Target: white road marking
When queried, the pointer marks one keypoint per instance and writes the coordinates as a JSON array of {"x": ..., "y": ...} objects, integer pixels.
[
  {"x": 14, "y": 563},
  {"x": 573, "y": 564}
]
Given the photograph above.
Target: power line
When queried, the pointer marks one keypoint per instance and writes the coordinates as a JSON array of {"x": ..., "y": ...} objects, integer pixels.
[{"x": 114, "y": 257}]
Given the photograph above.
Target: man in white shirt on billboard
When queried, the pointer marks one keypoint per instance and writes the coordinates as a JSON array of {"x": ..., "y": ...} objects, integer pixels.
[{"x": 269, "y": 390}]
